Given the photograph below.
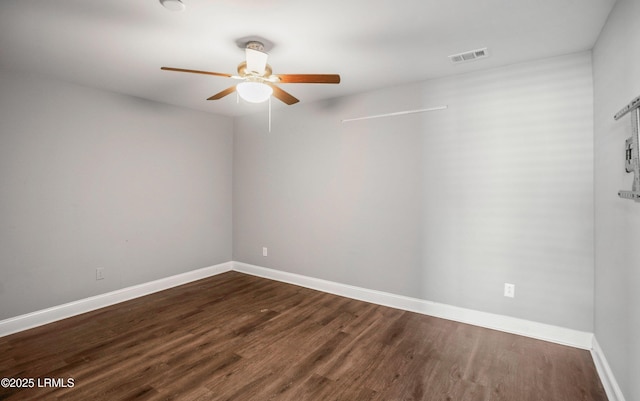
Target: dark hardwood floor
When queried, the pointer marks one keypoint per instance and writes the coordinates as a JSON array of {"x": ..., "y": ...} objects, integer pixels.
[{"x": 239, "y": 337}]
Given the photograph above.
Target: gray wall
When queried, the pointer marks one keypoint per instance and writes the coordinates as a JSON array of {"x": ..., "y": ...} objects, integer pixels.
[
  {"x": 616, "y": 67},
  {"x": 93, "y": 179},
  {"x": 444, "y": 206}
]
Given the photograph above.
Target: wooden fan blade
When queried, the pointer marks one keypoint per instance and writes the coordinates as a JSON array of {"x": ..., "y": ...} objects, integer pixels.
[
  {"x": 217, "y": 74},
  {"x": 308, "y": 78},
  {"x": 284, "y": 96},
  {"x": 222, "y": 94}
]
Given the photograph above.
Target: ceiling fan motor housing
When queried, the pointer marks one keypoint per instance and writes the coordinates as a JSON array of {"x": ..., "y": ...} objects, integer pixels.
[{"x": 243, "y": 72}]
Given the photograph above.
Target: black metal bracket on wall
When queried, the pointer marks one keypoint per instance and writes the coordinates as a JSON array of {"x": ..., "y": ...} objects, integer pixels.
[{"x": 632, "y": 153}]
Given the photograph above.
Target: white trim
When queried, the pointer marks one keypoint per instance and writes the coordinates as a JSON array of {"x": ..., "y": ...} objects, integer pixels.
[
  {"x": 541, "y": 331},
  {"x": 397, "y": 113},
  {"x": 614, "y": 393},
  {"x": 507, "y": 324},
  {"x": 49, "y": 315}
]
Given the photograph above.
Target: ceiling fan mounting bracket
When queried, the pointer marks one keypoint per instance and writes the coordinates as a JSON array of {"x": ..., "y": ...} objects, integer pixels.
[
  {"x": 255, "y": 45},
  {"x": 267, "y": 45}
]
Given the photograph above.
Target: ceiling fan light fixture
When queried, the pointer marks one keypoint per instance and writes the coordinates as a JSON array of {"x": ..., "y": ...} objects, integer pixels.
[{"x": 254, "y": 92}]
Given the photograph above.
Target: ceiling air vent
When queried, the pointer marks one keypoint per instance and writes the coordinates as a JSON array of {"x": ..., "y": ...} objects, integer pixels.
[{"x": 468, "y": 56}]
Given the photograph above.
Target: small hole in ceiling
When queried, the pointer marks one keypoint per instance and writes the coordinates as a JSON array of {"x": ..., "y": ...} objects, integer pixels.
[{"x": 172, "y": 5}]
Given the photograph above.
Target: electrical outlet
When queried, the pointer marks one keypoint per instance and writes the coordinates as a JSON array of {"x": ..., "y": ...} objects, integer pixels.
[
  {"x": 264, "y": 251},
  {"x": 99, "y": 273},
  {"x": 509, "y": 290}
]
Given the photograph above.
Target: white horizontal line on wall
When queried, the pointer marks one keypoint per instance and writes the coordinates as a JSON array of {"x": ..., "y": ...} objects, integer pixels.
[{"x": 397, "y": 113}]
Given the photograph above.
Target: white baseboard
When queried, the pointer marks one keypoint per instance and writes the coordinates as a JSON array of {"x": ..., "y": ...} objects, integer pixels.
[
  {"x": 508, "y": 324},
  {"x": 41, "y": 317},
  {"x": 614, "y": 393},
  {"x": 555, "y": 334},
  {"x": 541, "y": 331}
]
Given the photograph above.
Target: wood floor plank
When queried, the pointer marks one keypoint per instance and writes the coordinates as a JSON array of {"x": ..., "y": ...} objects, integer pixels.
[{"x": 238, "y": 337}]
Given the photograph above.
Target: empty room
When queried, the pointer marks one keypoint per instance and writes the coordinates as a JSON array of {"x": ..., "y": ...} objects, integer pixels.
[{"x": 337, "y": 200}]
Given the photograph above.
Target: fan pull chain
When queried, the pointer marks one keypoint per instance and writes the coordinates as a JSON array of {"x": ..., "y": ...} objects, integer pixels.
[{"x": 269, "y": 113}]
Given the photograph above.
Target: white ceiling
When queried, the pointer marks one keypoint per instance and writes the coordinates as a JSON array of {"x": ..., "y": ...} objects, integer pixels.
[{"x": 120, "y": 45}]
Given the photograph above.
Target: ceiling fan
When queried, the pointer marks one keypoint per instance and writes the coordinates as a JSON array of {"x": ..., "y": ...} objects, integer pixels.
[{"x": 258, "y": 81}]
